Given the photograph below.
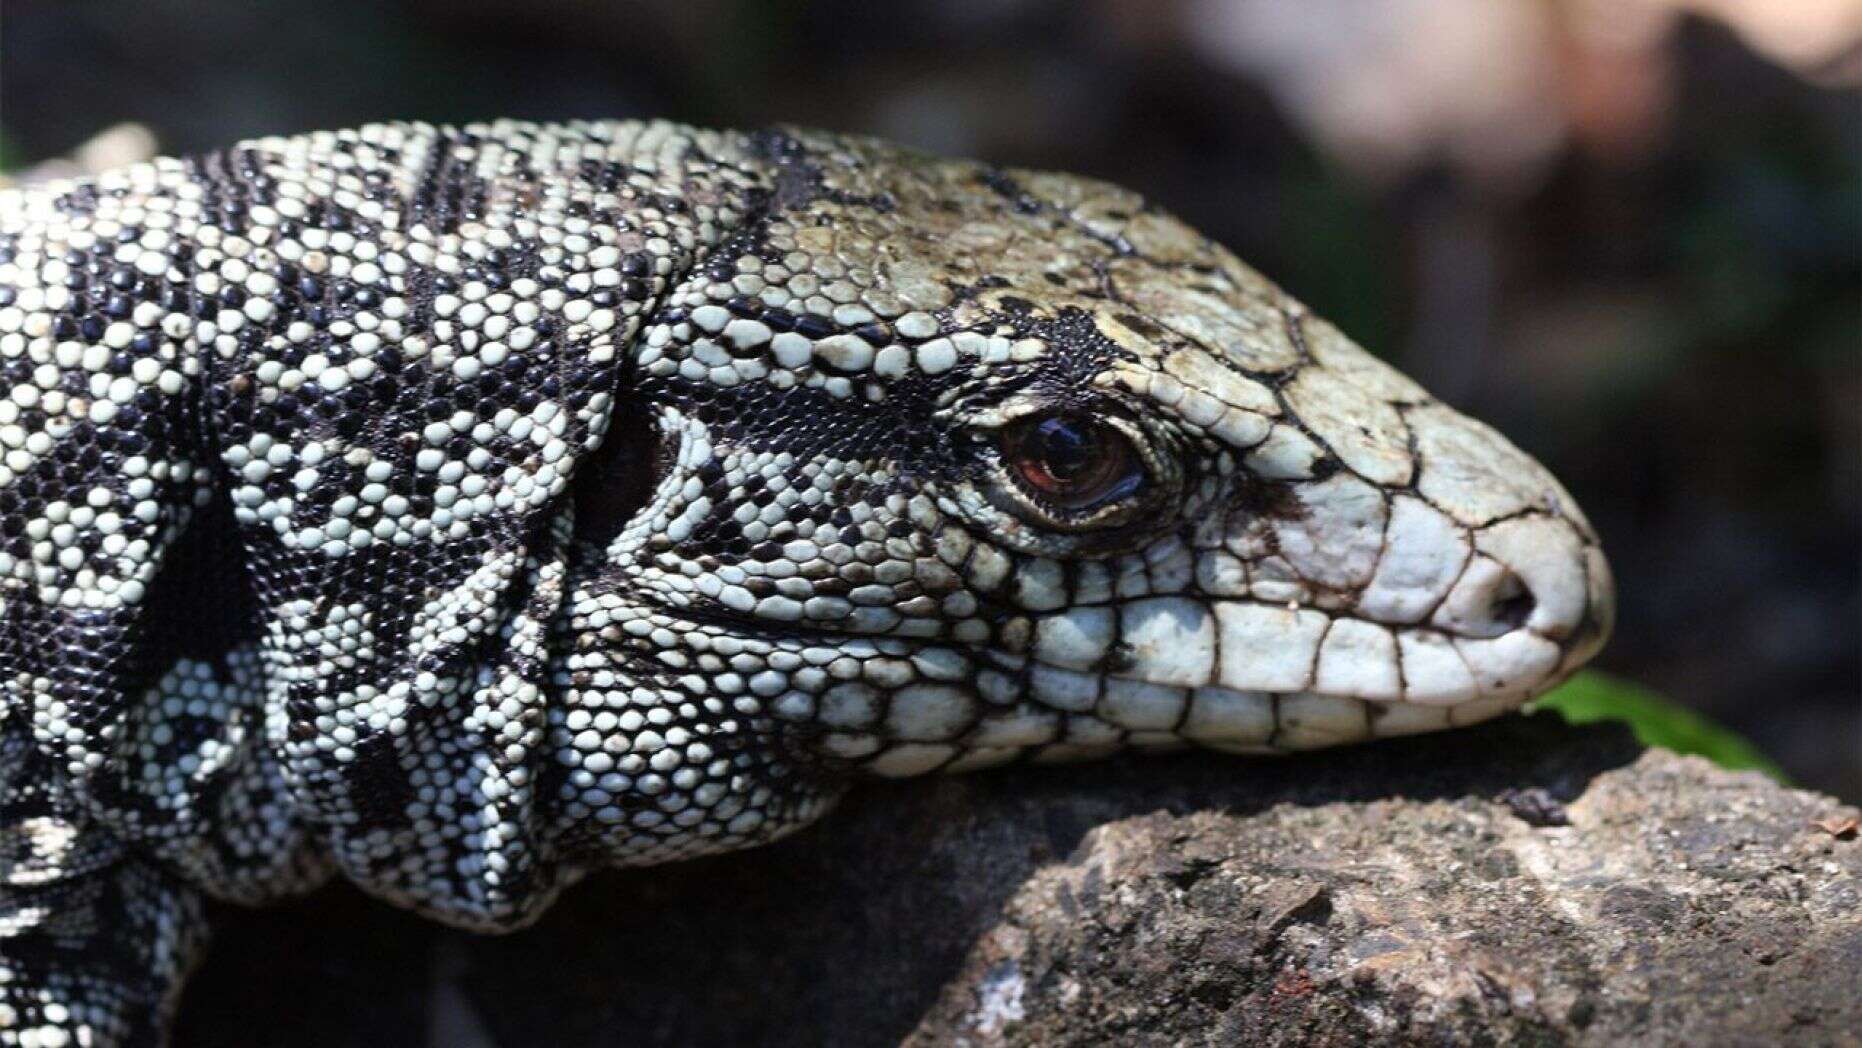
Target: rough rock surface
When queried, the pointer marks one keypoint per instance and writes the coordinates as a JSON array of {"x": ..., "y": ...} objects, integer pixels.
[{"x": 1518, "y": 883}]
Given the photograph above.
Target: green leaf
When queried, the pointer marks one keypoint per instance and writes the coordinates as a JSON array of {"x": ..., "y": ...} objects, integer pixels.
[{"x": 1591, "y": 697}]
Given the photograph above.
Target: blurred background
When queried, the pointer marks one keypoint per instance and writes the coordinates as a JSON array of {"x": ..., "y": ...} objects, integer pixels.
[{"x": 1627, "y": 232}]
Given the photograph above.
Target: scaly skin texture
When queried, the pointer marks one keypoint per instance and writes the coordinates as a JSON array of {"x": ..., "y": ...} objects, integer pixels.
[{"x": 461, "y": 509}]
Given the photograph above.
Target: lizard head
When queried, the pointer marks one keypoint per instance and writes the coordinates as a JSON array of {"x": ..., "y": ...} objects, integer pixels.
[{"x": 984, "y": 463}]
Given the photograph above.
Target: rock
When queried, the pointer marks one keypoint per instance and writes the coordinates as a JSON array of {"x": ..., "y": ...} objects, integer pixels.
[{"x": 1518, "y": 883}]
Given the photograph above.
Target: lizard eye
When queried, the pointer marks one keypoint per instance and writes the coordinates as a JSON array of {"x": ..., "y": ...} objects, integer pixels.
[{"x": 1073, "y": 465}]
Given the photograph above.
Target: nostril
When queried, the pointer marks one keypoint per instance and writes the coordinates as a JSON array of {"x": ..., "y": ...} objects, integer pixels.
[
  {"x": 1530, "y": 576},
  {"x": 1489, "y": 600},
  {"x": 1513, "y": 603}
]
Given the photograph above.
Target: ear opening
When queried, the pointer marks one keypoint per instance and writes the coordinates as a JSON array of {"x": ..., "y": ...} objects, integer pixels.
[
  {"x": 202, "y": 605},
  {"x": 618, "y": 478}
]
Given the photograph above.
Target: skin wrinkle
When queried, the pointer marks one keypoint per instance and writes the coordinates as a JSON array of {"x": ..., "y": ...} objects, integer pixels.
[{"x": 393, "y": 362}]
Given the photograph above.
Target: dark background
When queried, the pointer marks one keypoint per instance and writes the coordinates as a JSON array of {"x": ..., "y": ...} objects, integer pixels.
[{"x": 1629, "y": 236}]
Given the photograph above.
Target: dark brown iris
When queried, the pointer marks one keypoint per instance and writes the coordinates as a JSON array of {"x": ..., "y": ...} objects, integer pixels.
[{"x": 1074, "y": 462}]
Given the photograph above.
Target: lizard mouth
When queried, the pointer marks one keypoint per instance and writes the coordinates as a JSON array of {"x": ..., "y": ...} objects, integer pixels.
[
  {"x": 1197, "y": 697},
  {"x": 1249, "y": 676}
]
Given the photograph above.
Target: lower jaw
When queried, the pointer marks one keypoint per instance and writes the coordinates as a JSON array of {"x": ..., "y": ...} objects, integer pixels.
[
  {"x": 1308, "y": 721},
  {"x": 1216, "y": 718},
  {"x": 1253, "y": 721}
]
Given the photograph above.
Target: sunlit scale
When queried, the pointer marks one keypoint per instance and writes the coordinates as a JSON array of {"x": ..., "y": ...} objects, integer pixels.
[{"x": 459, "y": 510}]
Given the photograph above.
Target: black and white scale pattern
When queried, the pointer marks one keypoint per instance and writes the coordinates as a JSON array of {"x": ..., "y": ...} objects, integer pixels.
[{"x": 461, "y": 509}]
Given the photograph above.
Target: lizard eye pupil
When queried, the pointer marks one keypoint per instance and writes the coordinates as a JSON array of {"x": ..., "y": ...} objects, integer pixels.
[
  {"x": 1074, "y": 462},
  {"x": 1067, "y": 450}
]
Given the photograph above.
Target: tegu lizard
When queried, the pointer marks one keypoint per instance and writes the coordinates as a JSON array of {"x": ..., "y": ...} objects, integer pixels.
[{"x": 461, "y": 509}]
